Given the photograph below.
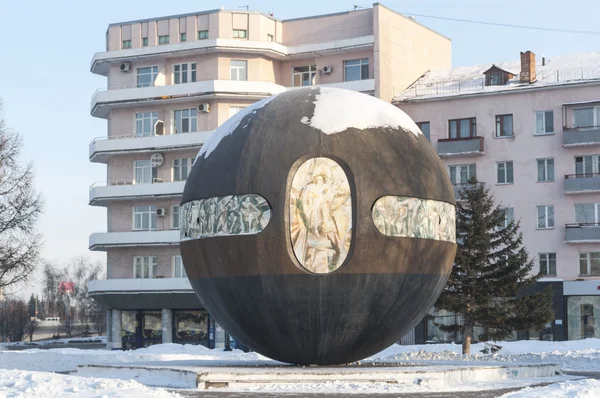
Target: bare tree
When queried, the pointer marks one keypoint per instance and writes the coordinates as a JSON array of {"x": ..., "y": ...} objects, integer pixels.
[
  {"x": 20, "y": 208},
  {"x": 18, "y": 317}
]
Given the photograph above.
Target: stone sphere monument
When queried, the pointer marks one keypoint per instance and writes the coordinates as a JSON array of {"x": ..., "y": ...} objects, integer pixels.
[{"x": 318, "y": 226}]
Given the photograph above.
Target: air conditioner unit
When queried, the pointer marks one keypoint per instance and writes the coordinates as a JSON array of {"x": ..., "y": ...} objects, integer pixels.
[
  {"x": 161, "y": 212},
  {"x": 327, "y": 69},
  {"x": 159, "y": 127},
  {"x": 204, "y": 108},
  {"x": 125, "y": 66}
]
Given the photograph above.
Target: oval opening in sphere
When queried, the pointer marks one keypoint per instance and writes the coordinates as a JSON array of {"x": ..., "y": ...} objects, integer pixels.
[
  {"x": 320, "y": 215},
  {"x": 224, "y": 216},
  {"x": 415, "y": 218}
]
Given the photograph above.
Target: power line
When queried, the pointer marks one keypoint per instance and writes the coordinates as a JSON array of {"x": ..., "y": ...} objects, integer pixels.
[{"x": 507, "y": 25}]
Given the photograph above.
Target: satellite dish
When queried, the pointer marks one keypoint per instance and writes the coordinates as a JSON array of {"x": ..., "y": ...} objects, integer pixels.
[{"x": 156, "y": 159}]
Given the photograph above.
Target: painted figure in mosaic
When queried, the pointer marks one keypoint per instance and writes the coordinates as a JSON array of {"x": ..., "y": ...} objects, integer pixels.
[
  {"x": 211, "y": 211},
  {"x": 201, "y": 219},
  {"x": 222, "y": 220},
  {"x": 249, "y": 215}
]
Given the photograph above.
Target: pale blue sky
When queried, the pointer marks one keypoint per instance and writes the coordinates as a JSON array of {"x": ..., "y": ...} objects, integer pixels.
[{"x": 45, "y": 83}]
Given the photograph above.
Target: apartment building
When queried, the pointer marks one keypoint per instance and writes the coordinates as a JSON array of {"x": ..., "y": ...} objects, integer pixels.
[
  {"x": 530, "y": 130},
  {"x": 170, "y": 82}
]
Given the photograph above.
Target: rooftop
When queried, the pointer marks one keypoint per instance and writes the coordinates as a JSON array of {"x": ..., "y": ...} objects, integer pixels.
[{"x": 470, "y": 80}]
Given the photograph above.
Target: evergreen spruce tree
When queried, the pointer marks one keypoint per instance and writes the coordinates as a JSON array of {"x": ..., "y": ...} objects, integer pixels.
[
  {"x": 31, "y": 306},
  {"x": 491, "y": 267}
]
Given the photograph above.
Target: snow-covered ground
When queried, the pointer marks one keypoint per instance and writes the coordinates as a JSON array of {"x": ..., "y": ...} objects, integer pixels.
[
  {"x": 26, "y": 370},
  {"x": 588, "y": 388}
]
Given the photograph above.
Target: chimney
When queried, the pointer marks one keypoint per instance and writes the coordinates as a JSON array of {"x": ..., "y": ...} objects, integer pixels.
[{"x": 527, "y": 67}]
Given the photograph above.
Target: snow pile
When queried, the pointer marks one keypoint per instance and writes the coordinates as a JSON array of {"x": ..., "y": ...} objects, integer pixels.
[
  {"x": 67, "y": 359},
  {"x": 569, "y": 355},
  {"x": 588, "y": 388},
  {"x": 336, "y": 110},
  {"x": 229, "y": 126},
  {"x": 41, "y": 385}
]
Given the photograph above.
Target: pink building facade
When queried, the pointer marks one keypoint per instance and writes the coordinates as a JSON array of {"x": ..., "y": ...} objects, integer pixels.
[
  {"x": 531, "y": 132},
  {"x": 171, "y": 82}
]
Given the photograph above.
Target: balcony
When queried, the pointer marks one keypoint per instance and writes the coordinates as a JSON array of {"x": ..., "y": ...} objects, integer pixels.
[
  {"x": 104, "y": 99},
  {"x": 102, "y": 192},
  {"x": 582, "y": 233},
  {"x": 104, "y": 240},
  {"x": 102, "y": 148},
  {"x": 469, "y": 146},
  {"x": 142, "y": 294},
  {"x": 582, "y": 183},
  {"x": 577, "y": 137}
]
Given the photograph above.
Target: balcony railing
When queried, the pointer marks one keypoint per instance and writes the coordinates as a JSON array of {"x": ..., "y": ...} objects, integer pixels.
[
  {"x": 582, "y": 183},
  {"x": 464, "y": 146},
  {"x": 581, "y": 136},
  {"x": 582, "y": 232},
  {"x": 102, "y": 191}
]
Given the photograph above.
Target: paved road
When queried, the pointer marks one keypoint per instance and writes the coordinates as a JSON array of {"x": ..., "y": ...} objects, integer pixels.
[{"x": 226, "y": 394}]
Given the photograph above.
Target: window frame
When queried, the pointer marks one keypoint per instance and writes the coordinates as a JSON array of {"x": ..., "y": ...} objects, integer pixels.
[
  {"x": 509, "y": 216},
  {"x": 178, "y": 74},
  {"x": 500, "y": 125},
  {"x": 150, "y": 212},
  {"x": 192, "y": 117},
  {"x": 588, "y": 263},
  {"x": 544, "y": 115},
  {"x": 182, "y": 37},
  {"x": 174, "y": 267},
  {"x": 173, "y": 213},
  {"x": 472, "y": 128},
  {"x": 546, "y": 168},
  {"x": 471, "y": 172},
  {"x": 125, "y": 44},
  {"x": 361, "y": 63},
  {"x": 428, "y": 135},
  {"x": 312, "y": 75},
  {"x": 237, "y": 70},
  {"x": 142, "y": 180},
  {"x": 595, "y": 117},
  {"x": 144, "y": 42},
  {"x": 506, "y": 172},
  {"x": 152, "y": 266},
  {"x": 595, "y": 163},
  {"x": 162, "y": 40},
  {"x": 152, "y": 116},
  {"x": 154, "y": 71},
  {"x": 548, "y": 258},
  {"x": 177, "y": 171},
  {"x": 237, "y": 34},
  {"x": 546, "y": 217},
  {"x": 203, "y": 34}
]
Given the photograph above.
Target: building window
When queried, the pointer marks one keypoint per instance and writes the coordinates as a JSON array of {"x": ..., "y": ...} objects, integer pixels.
[
  {"x": 145, "y": 173},
  {"x": 182, "y": 37},
  {"x": 184, "y": 73},
  {"x": 182, "y": 168},
  {"x": 304, "y": 75},
  {"x": 586, "y": 117},
  {"x": 587, "y": 166},
  {"x": 144, "y": 42},
  {"x": 185, "y": 120},
  {"x": 144, "y": 218},
  {"x": 509, "y": 216},
  {"x": 544, "y": 122},
  {"x": 144, "y": 267},
  {"x": 270, "y": 37},
  {"x": 545, "y": 170},
  {"x": 144, "y": 123},
  {"x": 240, "y": 33},
  {"x": 589, "y": 263},
  {"x": 202, "y": 34},
  {"x": 238, "y": 70},
  {"x": 462, "y": 128},
  {"x": 495, "y": 79},
  {"x": 146, "y": 76},
  {"x": 587, "y": 213},
  {"x": 126, "y": 44},
  {"x": 545, "y": 215},
  {"x": 163, "y": 39},
  {"x": 505, "y": 173},
  {"x": 583, "y": 317},
  {"x": 547, "y": 264},
  {"x": 504, "y": 126},
  {"x": 356, "y": 69},
  {"x": 425, "y": 129},
  {"x": 178, "y": 268},
  {"x": 175, "y": 211},
  {"x": 462, "y": 173}
]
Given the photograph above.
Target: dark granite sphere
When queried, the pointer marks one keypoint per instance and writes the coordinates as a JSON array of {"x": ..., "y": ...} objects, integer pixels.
[{"x": 318, "y": 226}]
